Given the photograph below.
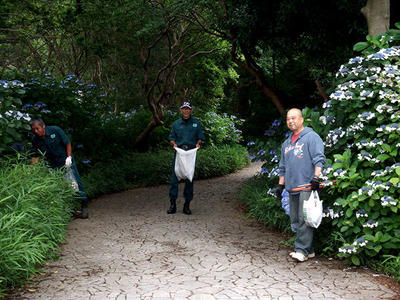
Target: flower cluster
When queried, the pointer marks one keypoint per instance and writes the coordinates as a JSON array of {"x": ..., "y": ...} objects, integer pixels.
[
  {"x": 333, "y": 136},
  {"x": 326, "y": 120},
  {"x": 330, "y": 213},
  {"x": 366, "y": 116},
  {"x": 384, "y": 108},
  {"x": 388, "y": 128},
  {"x": 365, "y": 190},
  {"x": 339, "y": 173},
  {"x": 348, "y": 249},
  {"x": 366, "y": 156},
  {"x": 371, "y": 224},
  {"x": 361, "y": 213},
  {"x": 17, "y": 115},
  {"x": 387, "y": 200},
  {"x": 360, "y": 242}
]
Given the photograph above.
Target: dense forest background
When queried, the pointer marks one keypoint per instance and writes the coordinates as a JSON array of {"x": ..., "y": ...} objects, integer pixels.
[{"x": 243, "y": 57}]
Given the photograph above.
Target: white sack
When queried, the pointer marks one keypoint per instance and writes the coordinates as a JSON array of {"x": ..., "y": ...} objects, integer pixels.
[
  {"x": 69, "y": 175},
  {"x": 185, "y": 162},
  {"x": 312, "y": 210}
]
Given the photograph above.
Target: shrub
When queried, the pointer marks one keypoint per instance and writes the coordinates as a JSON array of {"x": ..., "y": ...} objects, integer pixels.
[
  {"x": 361, "y": 129},
  {"x": 147, "y": 169},
  {"x": 262, "y": 205},
  {"x": 36, "y": 205},
  {"x": 13, "y": 122}
]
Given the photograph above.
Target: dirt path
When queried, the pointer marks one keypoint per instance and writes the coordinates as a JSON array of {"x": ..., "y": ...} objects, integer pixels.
[{"x": 131, "y": 249}]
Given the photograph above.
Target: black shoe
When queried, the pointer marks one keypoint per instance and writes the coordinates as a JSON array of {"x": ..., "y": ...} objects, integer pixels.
[
  {"x": 172, "y": 208},
  {"x": 186, "y": 209}
]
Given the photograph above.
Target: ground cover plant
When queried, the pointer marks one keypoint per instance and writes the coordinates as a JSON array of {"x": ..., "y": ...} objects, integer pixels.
[
  {"x": 147, "y": 169},
  {"x": 360, "y": 126},
  {"x": 36, "y": 205}
]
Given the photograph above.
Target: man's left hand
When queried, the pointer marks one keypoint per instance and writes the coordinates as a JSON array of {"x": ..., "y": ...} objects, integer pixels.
[
  {"x": 68, "y": 161},
  {"x": 314, "y": 184},
  {"x": 198, "y": 146}
]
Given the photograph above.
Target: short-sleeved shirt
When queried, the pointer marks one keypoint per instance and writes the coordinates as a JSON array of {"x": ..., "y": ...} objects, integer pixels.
[
  {"x": 186, "y": 132},
  {"x": 53, "y": 145}
]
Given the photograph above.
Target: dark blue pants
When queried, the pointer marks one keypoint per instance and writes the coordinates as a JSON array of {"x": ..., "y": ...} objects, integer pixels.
[
  {"x": 173, "y": 188},
  {"x": 82, "y": 191}
]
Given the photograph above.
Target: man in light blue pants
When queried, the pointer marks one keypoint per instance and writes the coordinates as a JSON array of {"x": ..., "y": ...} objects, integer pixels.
[{"x": 302, "y": 159}]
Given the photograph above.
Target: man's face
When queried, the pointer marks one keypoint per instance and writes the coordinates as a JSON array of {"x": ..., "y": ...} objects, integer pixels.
[
  {"x": 294, "y": 120},
  {"x": 186, "y": 112},
  {"x": 38, "y": 130}
]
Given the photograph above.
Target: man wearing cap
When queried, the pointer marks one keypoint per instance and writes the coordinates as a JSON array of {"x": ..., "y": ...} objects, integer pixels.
[
  {"x": 56, "y": 147},
  {"x": 302, "y": 159},
  {"x": 186, "y": 133}
]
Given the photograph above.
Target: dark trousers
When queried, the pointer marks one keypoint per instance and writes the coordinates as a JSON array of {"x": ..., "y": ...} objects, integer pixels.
[
  {"x": 173, "y": 188},
  {"x": 304, "y": 233},
  {"x": 82, "y": 192}
]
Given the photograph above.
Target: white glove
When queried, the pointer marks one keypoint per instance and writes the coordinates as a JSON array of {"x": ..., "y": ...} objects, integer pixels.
[{"x": 68, "y": 161}]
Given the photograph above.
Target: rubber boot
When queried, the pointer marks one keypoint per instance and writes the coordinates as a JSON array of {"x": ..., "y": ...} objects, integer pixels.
[
  {"x": 172, "y": 208},
  {"x": 186, "y": 209},
  {"x": 85, "y": 212}
]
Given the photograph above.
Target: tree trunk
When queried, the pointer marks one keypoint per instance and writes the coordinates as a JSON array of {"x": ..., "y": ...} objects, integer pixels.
[
  {"x": 377, "y": 13},
  {"x": 321, "y": 91},
  {"x": 260, "y": 80}
]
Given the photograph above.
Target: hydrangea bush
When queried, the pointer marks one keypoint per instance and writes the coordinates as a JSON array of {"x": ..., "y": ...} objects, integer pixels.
[
  {"x": 13, "y": 122},
  {"x": 360, "y": 127}
]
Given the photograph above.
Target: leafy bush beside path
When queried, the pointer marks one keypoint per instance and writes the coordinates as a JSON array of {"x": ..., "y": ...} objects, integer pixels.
[{"x": 35, "y": 208}]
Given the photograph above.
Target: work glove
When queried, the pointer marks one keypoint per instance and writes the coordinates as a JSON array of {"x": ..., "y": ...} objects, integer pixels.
[
  {"x": 279, "y": 190},
  {"x": 68, "y": 161},
  {"x": 314, "y": 184}
]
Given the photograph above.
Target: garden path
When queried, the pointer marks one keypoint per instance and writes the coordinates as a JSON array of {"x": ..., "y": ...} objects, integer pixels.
[{"x": 130, "y": 248}]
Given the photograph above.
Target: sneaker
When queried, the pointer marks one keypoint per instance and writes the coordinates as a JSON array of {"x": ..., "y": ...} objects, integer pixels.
[
  {"x": 300, "y": 257},
  {"x": 311, "y": 255}
]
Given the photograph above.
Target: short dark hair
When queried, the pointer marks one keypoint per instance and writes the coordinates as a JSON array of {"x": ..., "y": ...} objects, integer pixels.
[{"x": 36, "y": 121}]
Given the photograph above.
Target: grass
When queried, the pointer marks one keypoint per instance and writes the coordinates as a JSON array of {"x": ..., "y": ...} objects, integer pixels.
[{"x": 36, "y": 205}]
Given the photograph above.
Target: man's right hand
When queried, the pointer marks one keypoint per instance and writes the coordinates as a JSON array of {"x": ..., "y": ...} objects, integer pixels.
[{"x": 279, "y": 190}]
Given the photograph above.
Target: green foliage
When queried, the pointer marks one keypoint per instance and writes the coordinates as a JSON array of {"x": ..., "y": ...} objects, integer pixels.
[
  {"x": 36, "y": 205},
  {"x": 262, "y": 205},
  {"x": 380, "y": 41},
  {"x": 220, "y": 129},
  {"x": 13, "y": 123},
  {"x": 146, "y": 169},
  {"x": 360, "y": 127}
]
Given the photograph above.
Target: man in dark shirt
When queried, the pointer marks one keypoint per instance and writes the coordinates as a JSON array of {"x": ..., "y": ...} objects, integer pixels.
[
  {"x": 57, "y": 150},
  {"x": 186, "y": 133}
]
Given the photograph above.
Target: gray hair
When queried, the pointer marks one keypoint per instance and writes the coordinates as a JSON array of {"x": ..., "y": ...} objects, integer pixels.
[{"x": 36, "y": 121}]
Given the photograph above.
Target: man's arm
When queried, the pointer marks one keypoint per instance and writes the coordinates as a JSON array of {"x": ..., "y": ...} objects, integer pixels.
[
  {"x": 173, "y": 143},
  {"x": 68, "y": 148}
]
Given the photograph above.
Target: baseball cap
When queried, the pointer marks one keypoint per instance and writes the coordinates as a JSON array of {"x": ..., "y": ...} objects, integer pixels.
[{"x": 186, "y": 104}]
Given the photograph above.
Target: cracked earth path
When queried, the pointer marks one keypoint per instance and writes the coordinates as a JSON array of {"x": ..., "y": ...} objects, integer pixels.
[{"x": 130, "y": 248}]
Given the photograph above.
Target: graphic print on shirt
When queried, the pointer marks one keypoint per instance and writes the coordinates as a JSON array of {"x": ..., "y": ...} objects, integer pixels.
[{"x": 297, "y": 150}]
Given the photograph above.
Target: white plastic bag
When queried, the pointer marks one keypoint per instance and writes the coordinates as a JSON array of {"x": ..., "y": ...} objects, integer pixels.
[
  {"x": 312, "y": 210},
  {"x": 69, "y": 175},
  {"x": 185, "y": 162}
]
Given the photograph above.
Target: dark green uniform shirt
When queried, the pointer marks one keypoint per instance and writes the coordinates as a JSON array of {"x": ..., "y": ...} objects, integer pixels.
[
  {"x": 186, "y": 132},
  {"x": 53, "y": 145}
]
